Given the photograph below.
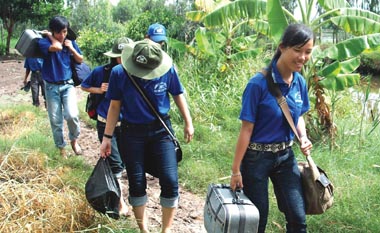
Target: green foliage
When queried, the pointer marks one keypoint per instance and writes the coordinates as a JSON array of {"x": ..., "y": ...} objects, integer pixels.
[
  {"x": 138, "y": 26},
  {"x": 17, "y": 11},
  {"x": 370, "y": 62},
  {"x": 94, "y": 42},
  {"x": 2, "y": 49},
  {"x": 127, "y": 10}
]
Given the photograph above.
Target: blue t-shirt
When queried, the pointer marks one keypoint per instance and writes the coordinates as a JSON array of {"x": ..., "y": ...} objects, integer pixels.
[
  {"x": 56, "y": 65},
  {"x": 95, "y": 79},
  {"x": 134, "y": 108},
  {"x": 33, "y": 64},
  {"x": 260, "y": 107}
]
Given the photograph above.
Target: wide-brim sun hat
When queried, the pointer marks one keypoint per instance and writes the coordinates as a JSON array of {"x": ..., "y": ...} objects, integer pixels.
[
  {"x": 118, "y": 46},
  {"x": 145, "y": 59}
]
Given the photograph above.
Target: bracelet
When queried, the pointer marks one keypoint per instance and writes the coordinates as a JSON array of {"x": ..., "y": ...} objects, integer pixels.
[
  {"x": 107, "y": 136},
  {"x": 237, "y": 174}
]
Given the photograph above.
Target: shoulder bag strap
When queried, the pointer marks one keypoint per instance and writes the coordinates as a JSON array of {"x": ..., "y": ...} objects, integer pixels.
[
  {"x": 281, "y": 101},
  {"x": 150, "y": 105}
]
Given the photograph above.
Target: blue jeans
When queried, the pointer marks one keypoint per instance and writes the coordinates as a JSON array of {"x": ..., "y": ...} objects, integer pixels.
[
  {"x": 114, "y": 159},
  {"x": 281, "y": 167},
  {"x": 61, "y": 101},
  {"x": 142, "y": 143}
]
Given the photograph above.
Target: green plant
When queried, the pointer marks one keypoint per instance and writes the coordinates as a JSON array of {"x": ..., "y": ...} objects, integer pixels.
[{"x": 94, "y": 42}]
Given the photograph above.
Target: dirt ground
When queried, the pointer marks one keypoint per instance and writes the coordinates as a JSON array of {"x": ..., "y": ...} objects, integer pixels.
[{"x": 189, "y": 216}]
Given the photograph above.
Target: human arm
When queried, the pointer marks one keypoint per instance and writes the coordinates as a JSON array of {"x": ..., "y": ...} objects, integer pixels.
[
  {"x": 112, "y": 119},
  {"x": 27, "y": 72},
  {"x": 181, "y": 103},
  {"x": 55, "y": 44},
  {"x": 241, "y": 147},
  {"x": 305, "y": 143},
  {"x": 96, "y": 90},
  {"x": 76, "y": 55}
]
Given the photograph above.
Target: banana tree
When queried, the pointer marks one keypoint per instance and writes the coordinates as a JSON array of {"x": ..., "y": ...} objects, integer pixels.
[
  {"x": 332, "y": 68},
  {"x": 221, "y": 34}
]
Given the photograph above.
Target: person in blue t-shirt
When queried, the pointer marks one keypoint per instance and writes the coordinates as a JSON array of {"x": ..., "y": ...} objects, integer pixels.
[
  {"x": 144, "y": 139},
  {"x": 60, "y": 92},
  {"x": 97, "y": 83},
  {"x": 34, "y": 66},
  {"x": 263, "y": 149}
]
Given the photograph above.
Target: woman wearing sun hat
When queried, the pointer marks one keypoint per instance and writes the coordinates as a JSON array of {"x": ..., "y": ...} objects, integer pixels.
[{"x": 143, "y": 136}]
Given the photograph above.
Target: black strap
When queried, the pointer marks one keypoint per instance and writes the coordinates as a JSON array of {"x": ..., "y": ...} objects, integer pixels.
[
  {"x": 107, "y": 73},
  {"x": 150, "y": 105}
]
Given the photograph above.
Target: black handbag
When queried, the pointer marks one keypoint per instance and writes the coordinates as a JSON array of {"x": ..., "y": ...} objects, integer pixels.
[{"x": 177, "y": 146}]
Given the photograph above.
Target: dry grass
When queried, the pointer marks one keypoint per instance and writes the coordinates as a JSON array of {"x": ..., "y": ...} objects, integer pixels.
[{"x": 34, "y": 198}]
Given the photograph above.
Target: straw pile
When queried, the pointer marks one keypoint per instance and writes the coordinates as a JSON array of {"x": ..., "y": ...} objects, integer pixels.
[{"x": 34, "y": 198}]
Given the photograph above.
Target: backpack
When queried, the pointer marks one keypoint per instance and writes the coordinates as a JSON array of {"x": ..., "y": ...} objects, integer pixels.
[
  {"x": 80, "y": 71},
  {"x": 93, "y": 100}
]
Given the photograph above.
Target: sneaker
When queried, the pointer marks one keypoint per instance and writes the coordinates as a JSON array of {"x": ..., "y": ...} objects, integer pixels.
[
  {"x": 62, "y": 152},
  {"x": 76, "y": 148}
]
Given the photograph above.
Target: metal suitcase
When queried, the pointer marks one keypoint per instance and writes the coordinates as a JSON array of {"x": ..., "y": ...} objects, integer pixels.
[
  {"x": 27, "y": 44},
  {"x": 229, "y": 212}
]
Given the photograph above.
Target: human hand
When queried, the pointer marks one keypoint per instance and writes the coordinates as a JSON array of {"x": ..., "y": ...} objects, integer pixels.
[
  {"x": 45, "y": 33},
  {"x": 236, "y": 181},
  {"x": 104, "y": 87},
  {"x": 188, "y": 133},
  {"x": 306, "y": 145},
  {"x": 68, "y": 43},
  {"x": 105, "y": 148}
]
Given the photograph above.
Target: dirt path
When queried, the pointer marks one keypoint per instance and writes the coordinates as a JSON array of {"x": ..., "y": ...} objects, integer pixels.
[{"x": 189, "y": 217}]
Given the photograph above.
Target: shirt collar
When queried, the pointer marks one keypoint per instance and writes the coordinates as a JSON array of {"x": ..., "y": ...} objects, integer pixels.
[{"x": 277, "y": 78}]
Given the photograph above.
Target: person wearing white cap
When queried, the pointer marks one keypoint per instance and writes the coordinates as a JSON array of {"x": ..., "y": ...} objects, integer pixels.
[
  {"x": 144, "y": 139},
  {"x": 97, "y": 83}
]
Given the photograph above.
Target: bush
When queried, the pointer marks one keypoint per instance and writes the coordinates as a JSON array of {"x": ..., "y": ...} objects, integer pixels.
[
  {"x": 370, "y": 63},
  {"x": 94, "y": 42},
  {"x": 2, "y": 49}
]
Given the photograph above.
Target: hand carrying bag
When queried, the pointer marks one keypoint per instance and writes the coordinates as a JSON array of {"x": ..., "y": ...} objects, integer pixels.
[
  {"x": 317, "y": 188},
  {"x": 226, "y": 211},
  {"x": 93, "y": 100},
  {"x": 102, "y": 190}
]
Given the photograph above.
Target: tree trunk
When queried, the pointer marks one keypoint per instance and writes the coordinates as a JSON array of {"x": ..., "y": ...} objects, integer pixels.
[{"x": 9, "y": 27}]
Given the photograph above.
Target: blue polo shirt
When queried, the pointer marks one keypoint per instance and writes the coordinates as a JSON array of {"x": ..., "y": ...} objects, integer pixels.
[
  {"x": 134, "y": 108},
  {"x": 33, "y": 64},
  {"x": 56, "y": 65},
  {"x": 95, "y": 79},
  {"x": 260, "y": 107}
]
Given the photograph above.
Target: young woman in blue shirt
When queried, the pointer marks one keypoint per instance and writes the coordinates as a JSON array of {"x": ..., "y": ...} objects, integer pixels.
[{"x": 263, "y": 149}]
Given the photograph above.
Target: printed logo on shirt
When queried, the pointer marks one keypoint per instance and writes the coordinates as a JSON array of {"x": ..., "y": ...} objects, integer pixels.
[
  {"x": 160, "y": 88},
  {"x": 297, "y": 98}
]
